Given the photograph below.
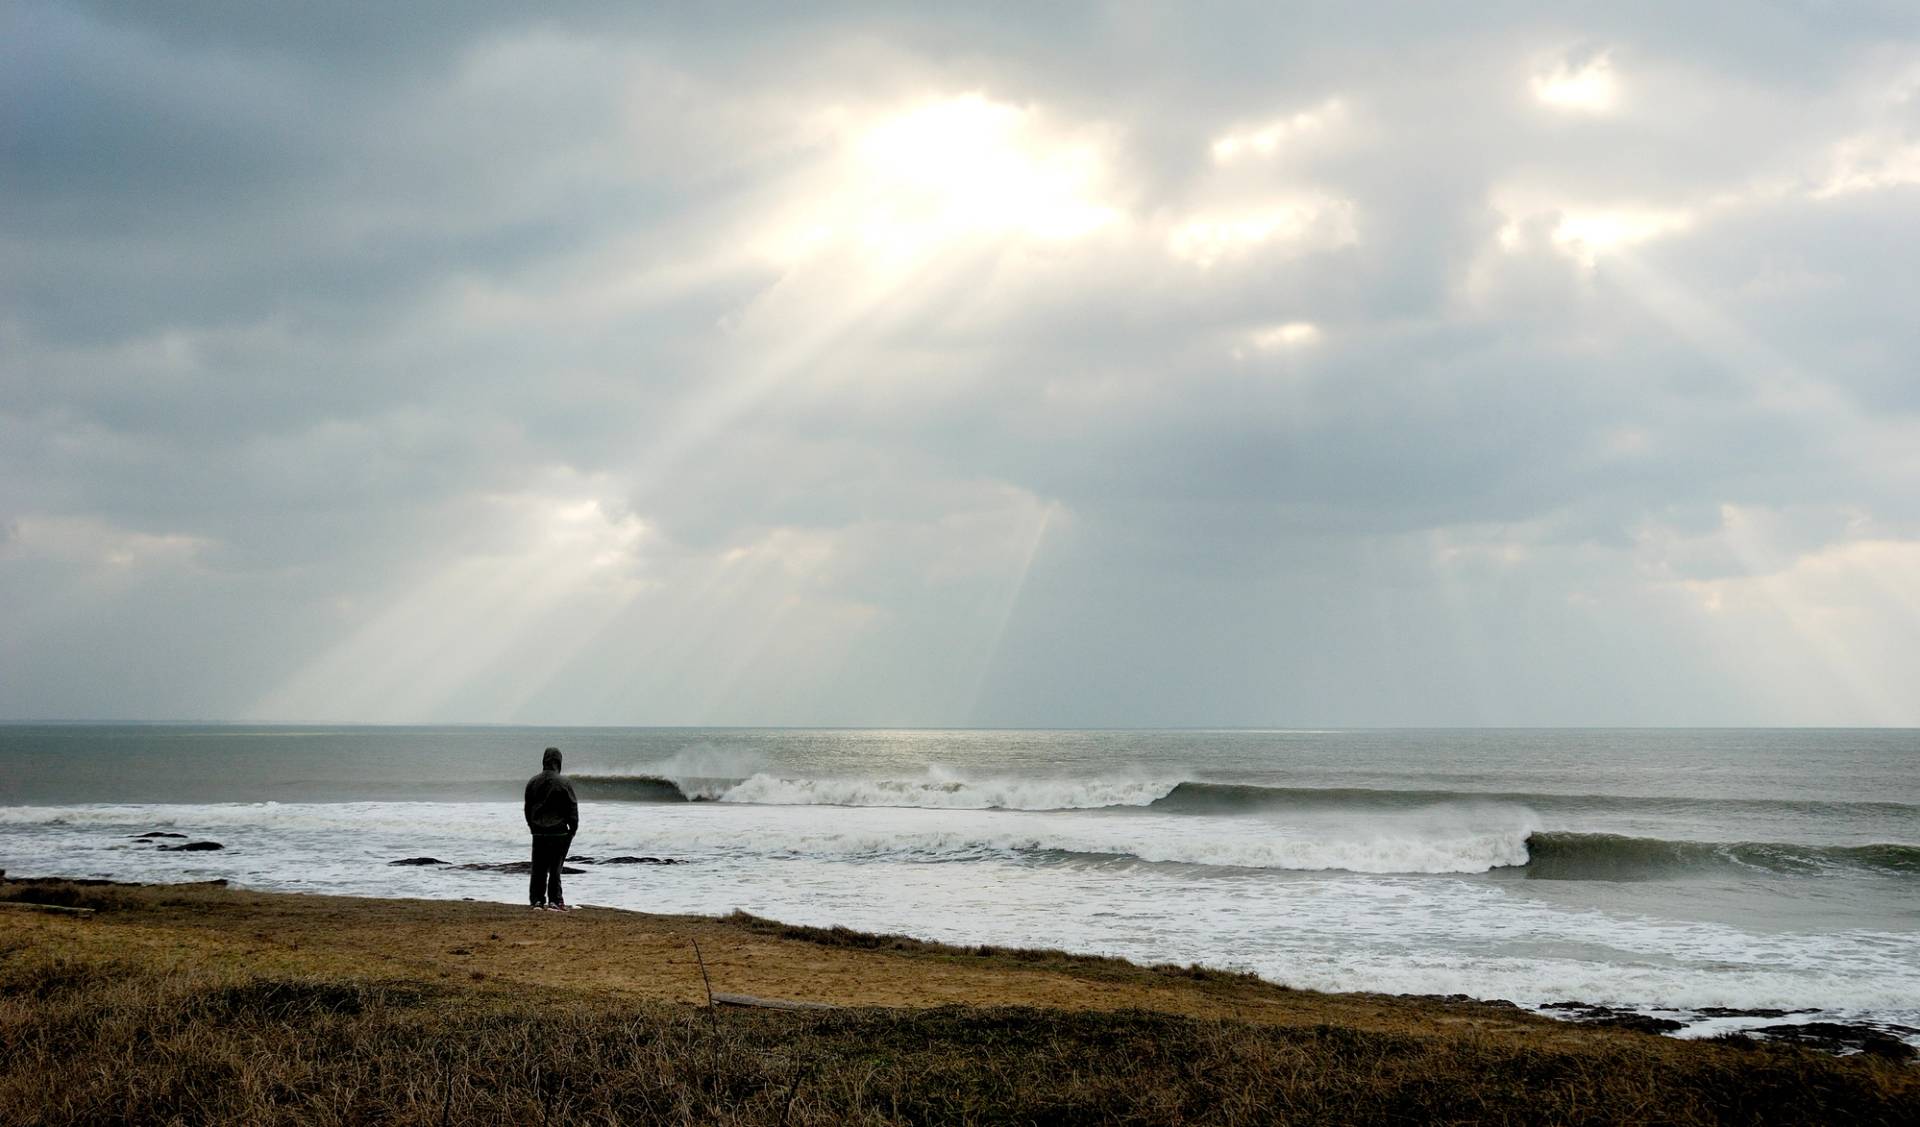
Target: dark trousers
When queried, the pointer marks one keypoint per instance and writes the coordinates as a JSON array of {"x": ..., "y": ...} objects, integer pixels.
[{"x": 549, "y": 850}]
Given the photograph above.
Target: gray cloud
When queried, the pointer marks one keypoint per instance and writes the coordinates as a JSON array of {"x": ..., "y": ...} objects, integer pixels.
[{"x": 339, "y": 338}]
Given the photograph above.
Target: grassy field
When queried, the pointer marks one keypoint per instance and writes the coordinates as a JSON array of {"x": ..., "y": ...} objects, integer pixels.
[{"x": 196, "y": 1004}]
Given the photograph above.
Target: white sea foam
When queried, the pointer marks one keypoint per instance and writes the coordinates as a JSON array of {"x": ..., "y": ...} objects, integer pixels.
[
  {"x": 704, "y": 771},
  {"x": 714, "y": 773},
  {"x": 1160, "y": 841},
  {"x": 1464, "y": 840},
  {"x": 1030, "y": 878},
  {"x": 941, "y": 791},
  {"x": 1310, "y": 882}
]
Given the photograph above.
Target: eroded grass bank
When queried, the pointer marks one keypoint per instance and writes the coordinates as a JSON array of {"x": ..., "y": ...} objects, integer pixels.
[{"x": 208, "y": 1005}]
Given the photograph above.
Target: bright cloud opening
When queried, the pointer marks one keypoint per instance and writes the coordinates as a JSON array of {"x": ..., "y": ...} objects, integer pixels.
[
  {"x": 1871, "y": 162},
  {"x": 910, "y": 182},
  {"x": 1263, "y": 141},
  {"x": 1588, "y": 88},
  {"x": 1209, "y": 239},
  {"x": 1590, "y": 235},
  {"x": 586, "y": 532},
  {"x": 1293, "y": 334}
]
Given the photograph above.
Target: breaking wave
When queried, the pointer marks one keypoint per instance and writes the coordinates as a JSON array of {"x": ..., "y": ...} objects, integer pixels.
[
  {"x": 1449, "y": 832},
  {"x": 1168, "y": 796},
  {"x": 1576, "y": 856},
  {"x": 1195, "y": 797},
  {"x": 1528, "y": 854},
  {"x": 1507, "y": 842},
  {"x": 934, "y": 792}
]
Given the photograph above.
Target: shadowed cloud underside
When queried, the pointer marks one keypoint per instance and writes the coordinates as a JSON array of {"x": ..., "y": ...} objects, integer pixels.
[{"x": 1089, "y": 366}]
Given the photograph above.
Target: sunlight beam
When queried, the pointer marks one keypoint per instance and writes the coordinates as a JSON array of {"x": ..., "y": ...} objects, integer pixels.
[{"x": 1002, "y": 617}]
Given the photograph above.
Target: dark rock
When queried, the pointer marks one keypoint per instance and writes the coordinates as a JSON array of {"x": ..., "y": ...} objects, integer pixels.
[
  {"x": 418, "y": 861},
  {"x": 1587, "y": 1013},
  {"x": 1836, "y": 1038},
  {"x": 1724, "y": 1011},
  {"x": 1640, "y": 1023},
  {"x": 154, "y": 834},
  {"x": 512, "y": 867},
  {"x": 192, "y": 847},
  {"x": 641, "y": 861}
]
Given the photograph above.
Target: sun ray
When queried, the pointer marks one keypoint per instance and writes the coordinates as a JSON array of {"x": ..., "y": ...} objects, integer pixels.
[
  {"x": 458, "y": 624},
  {"x": 1002, "y": 618},
  {"x": 1780, "y": 385},
  {"x": 912, "y": 201}
]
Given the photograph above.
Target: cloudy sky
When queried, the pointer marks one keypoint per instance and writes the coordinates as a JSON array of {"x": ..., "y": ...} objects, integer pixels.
[{"x": 1134, "y": 364}]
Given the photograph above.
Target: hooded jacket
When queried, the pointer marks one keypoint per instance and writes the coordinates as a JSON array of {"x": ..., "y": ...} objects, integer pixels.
[{"x": 551, "y": 807}]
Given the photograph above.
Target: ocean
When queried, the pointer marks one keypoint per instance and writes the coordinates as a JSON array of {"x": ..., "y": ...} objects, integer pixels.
[{"x": 1677, "y": 873}]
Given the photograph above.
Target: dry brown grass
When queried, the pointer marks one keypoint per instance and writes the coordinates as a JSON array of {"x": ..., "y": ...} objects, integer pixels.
[{"x": 169, "y": 1006}]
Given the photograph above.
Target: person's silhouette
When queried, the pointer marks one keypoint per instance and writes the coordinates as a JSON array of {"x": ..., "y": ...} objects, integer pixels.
[{"x": 553, "y": 816}]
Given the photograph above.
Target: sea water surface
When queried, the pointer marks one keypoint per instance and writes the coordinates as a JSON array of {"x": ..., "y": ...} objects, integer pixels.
[{"x": 1675, "y": 872}]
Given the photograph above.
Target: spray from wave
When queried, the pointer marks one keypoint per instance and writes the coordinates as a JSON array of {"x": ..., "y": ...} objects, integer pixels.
[
  {"x": 701, "y": 778},
  {"x": 1361, "y": 831},
  {"x": 1450, "y": 842},
  {"x": 937, "y": 789}
]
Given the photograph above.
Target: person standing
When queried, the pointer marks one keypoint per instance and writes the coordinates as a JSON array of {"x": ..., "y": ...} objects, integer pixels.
[{"x": 553, "y": 816}]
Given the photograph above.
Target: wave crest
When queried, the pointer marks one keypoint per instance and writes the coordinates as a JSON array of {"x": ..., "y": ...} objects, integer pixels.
[
  {"x": 1527, "y": 853},
  {"x": 950, "y": 794},
  {"x": 929, "y": 793},
  {"x": 1588, "y": 856},
  {"x": 940, "y": 790}
]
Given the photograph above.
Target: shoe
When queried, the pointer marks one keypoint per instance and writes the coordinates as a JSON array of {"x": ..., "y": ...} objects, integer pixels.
[
  {"x": 559, "y": 907},
  {"x": 539, "y": 907}
]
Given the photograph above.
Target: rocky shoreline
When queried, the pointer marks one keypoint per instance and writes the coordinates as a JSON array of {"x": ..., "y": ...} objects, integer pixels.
[
  {"x": 522, "y": 866},
  {"x": 1844, "y": 1038},
  {"x": 1887, "y": 1040},
  {"x": 203, "y": 1003}
]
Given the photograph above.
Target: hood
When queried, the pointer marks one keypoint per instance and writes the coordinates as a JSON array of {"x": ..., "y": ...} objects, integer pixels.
[{"x": 551, "y": 760}]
